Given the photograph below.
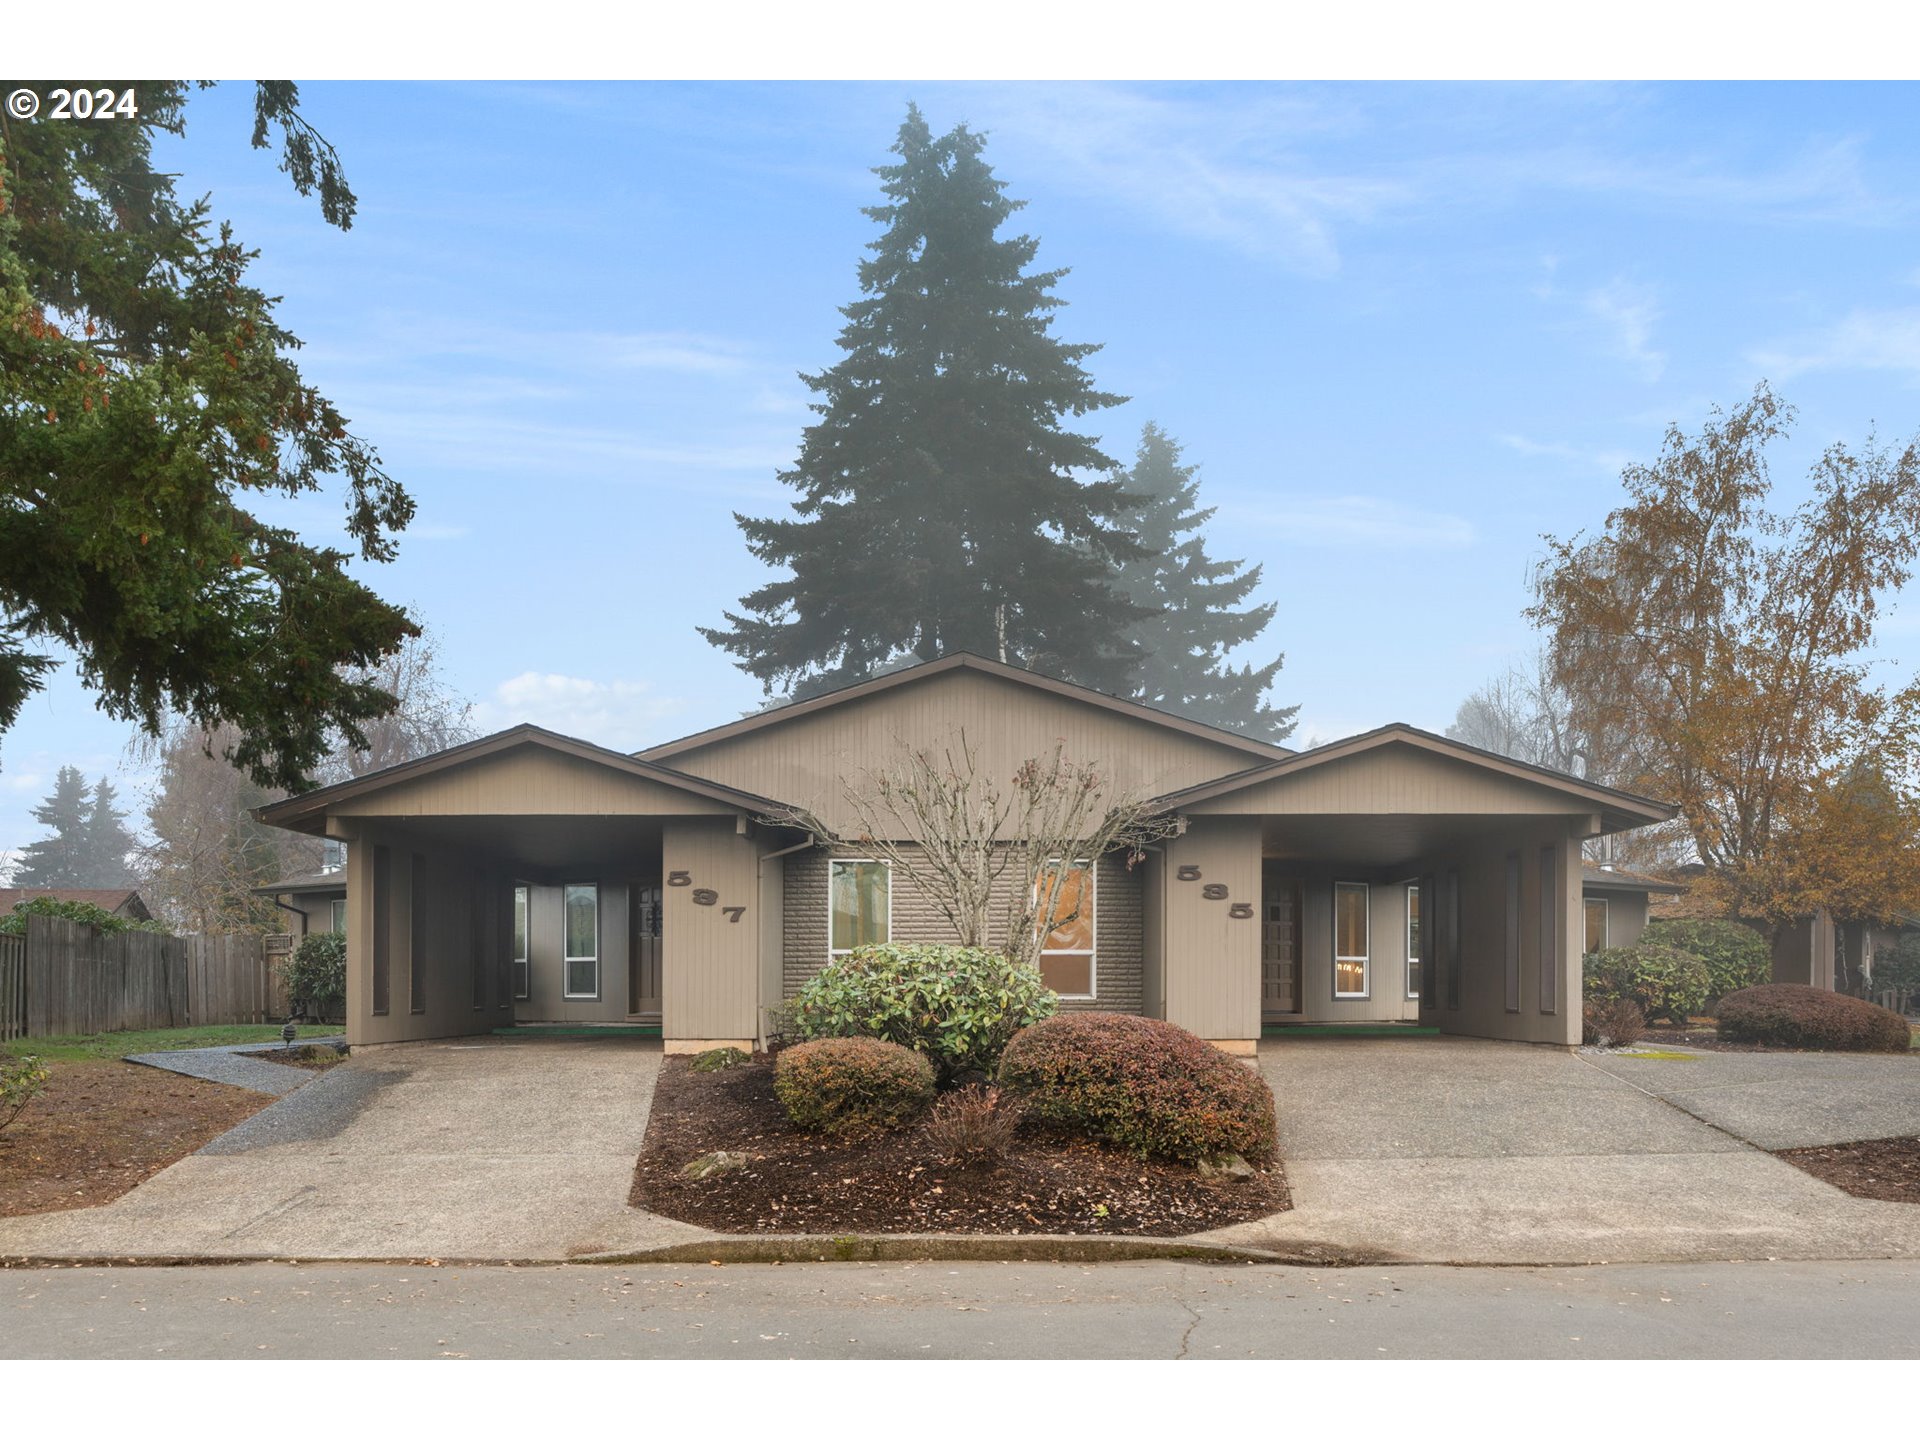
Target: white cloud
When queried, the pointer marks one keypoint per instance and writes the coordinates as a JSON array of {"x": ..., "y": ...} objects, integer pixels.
[
  {"x": 617, "y": 714},
  {"x": 1864, "y": 340},
  {"x": 1626, "y": 314},
  {"x": 1338, "y": 520},
  {"x": 1609, "y": 461}
]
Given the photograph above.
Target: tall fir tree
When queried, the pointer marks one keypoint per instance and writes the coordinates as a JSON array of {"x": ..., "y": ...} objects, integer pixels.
[
  {"x": 59, "y": 859},
  {"x": 106, "y": 842},
  {"x": 939, "y": 508},
  {"x": 1194, "y": 623}
]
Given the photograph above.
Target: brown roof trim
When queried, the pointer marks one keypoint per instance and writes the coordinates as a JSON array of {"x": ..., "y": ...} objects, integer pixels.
[
  {"x": 305, "y": 884},
  {"x": 1403, "y": 734},
  {"x": 1597, "y": 877},
  {"x": 289, "y": 814},
  {"x": 961, "y": 660}
]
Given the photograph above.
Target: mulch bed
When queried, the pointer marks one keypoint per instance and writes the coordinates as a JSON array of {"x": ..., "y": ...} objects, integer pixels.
[
  {"x": 1869, "y": 1169},
  {"x": 892, "y": 1184},
  {"x": 100, "y": 1128}
]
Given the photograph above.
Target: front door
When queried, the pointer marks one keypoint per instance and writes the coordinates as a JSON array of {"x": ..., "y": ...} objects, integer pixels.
[
  {"x": 643, "y": 950},
  {"x": 1280, "y": 987}
]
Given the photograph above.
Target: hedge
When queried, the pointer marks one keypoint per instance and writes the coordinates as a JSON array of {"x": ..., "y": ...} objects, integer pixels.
[
  {"x": 852, "y": 1085},
  {"x": 1802, "y": 1017},
  {"x": 1737, "y": 957}
]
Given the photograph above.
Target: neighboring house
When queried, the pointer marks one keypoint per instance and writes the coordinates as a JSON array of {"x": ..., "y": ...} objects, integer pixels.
[
  {"x": 1833, "y": 954},
  {"x": 532, "y": 878},
  {"x": 1615, "y": 904},
  {"x": 314, "y": 903},
  {"x": 126, "y": 904}
]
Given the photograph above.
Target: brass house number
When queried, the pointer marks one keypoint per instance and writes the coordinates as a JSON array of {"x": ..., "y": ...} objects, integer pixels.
[
  {"x": 702, "y": 896},
  {"x": 1213, "y": 890}
]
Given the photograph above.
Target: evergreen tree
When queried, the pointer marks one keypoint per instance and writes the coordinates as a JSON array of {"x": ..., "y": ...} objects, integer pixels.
[
  {"x": 105, "y": 843},
  {"x": 938, "y": 507},
  {"x": 1193, "y": 624},
  {"x": 58, "y": 860}
]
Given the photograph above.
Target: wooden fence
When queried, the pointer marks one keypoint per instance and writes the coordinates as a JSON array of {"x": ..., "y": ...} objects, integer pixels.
[
  {"x": 65, "y": 978},
  {"x": 1900, "y": 999}
]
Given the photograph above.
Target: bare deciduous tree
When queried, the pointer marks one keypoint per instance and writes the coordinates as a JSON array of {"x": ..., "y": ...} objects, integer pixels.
[{"x": 970, "y": 842}]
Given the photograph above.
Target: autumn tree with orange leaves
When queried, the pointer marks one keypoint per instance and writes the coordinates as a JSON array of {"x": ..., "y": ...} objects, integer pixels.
[{"x": 1728, "y": 643}]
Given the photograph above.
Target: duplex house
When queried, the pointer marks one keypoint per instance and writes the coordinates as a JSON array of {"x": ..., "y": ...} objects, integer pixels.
[{"x": 530, "y": 878}]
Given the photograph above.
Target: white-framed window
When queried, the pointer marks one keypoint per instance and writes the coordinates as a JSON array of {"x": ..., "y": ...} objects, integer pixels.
[
  {"x": 1415, "y": 939},
  {"x": 859, "y": 904},
  {"x": 339, "y": 917},
  {"x": 1596, "y": 920},
  {"x": 1068, "y": 958},
  {"x": 522, "y": 935},
  {"x": 580, "y": 951},
  {"x": 1351, "y": 940}
]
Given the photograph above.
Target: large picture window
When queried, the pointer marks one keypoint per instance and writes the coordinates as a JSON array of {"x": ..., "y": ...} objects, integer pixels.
[
  {"x": 1067, "y": 953},
  {"x": 522, "y": 959},
  {"x": 1350, "y": 940},
  {"x": 1596, "y": 925},
  {"x": 1414, "y": 941},
  {"x": 580, "y": 961},
  {"x": 860, "y": 902}
]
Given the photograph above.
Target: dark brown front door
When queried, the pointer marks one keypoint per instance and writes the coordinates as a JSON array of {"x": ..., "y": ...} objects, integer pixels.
[
  {"x": 643, "y": 950},
  {"x": 1279, "y": 944}
]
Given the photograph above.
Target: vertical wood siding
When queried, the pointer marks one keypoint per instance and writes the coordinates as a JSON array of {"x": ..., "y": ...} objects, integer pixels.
[
  {"x": 711, "y": 971},
  {"x": 1212, "y": 959},
  {"x": 528, "y": 782},
  {"x": 1390, "y": 780}
]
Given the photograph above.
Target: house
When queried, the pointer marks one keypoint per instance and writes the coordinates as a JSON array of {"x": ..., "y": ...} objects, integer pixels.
[
  {"x": 530, "y": 878},
  {"x": 316, "y": 903},
  {"x": 1616, "y": 904},
  {"x": 124, "y": 903}
]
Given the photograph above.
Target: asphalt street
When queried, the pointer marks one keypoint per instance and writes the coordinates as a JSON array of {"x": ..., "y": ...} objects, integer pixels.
[{"x": 1033, "y": 1310}]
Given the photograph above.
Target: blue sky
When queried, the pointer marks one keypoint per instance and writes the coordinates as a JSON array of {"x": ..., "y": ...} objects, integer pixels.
[{"x": 1403, "y": 328}]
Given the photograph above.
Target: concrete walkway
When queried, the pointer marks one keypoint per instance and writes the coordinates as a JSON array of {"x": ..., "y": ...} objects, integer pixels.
[
  {"x": 1477, "y": 1152},
  {"x": 491, "y": 1148}
]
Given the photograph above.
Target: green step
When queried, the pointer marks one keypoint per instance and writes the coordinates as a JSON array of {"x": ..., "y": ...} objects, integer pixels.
[
  {"x": 591, "y": 1032},
  {"x": 1269, "y": 1032}
]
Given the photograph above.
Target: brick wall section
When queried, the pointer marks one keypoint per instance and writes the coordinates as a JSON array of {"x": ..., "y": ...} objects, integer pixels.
[{"x": 1117, "y": 921}]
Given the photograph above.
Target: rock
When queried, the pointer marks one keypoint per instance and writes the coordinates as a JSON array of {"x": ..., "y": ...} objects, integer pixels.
[
  {"x": 1227, "y": 1167},
  {"x": 714, "y": 1162}
]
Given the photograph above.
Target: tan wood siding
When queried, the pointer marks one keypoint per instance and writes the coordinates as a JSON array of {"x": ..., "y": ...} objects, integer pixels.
[
  {"x": 803, "y": 761},
  {"x": 1390, "y": 780},
  {"x": 528, "y": 782},
  {"x": 1212, "y": 958},
  {"x": 712, "y": 962},
  {"x": 1118, "y": 928}
]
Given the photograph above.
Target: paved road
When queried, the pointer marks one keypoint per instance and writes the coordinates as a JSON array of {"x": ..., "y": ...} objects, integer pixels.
[{"x": 1156, "y": 1309}]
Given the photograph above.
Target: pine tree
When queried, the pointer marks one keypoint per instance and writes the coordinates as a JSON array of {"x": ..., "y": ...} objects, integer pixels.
[
  {"x": 58, "y": 860},
  {"x": 938, "y": 507},
  {"x": 105, "y": 843},
  {"x": 1193, "y": 624}
]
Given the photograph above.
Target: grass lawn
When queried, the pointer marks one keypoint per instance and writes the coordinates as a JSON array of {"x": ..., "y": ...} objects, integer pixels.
[{"x": 121, "y": 1043}]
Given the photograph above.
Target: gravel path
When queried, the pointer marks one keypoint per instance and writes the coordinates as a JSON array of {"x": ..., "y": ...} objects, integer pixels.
[{"x": 233, "y": 1065}]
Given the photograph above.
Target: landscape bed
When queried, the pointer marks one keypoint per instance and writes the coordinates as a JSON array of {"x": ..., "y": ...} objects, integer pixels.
[
  {"x": 1867, "y": 1169},
  {"x": 796, "y": 1183}
]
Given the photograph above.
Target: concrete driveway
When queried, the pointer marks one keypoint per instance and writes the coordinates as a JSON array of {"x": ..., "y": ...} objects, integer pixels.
[
  {"x": 1478, "y": 1152},
  {"x": 490, "y": 1148}
]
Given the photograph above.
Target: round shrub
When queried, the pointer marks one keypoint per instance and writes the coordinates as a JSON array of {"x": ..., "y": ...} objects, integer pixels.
[
  {"x": 852, "y": 1085},
  {"x": 316, "y": 975},
  {"x": 1145, "y": 1085},
  {"x": 1737, "y": 957},
  {"x": 956, "y": 1005},
  {"x": 1805, "y": 1018},
  {"x": 1664, "y": 982}
]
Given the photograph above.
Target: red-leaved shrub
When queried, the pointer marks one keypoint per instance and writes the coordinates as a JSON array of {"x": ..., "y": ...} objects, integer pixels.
[
  {"x": 1802, "y": 1017},
  {"x": 1145, "y": 1085},
  {"x": 973, "y": 1125},
  {"x": 852, "y": 1085}
]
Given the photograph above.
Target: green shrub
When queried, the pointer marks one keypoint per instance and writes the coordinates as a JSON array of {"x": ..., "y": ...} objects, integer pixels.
[
  {"x": 1664, "y": 982},
  {"x": 852, "y": 1085},
  {"x": 316, "y": 974},
  {"x": 1802, "y": 1017},
  {"x": 956, "y": 1005},
  {"x": 1899, "y": 965},
  {"x": 1737, "y": 956},
  {"x": 77, "y": 910},
  {"x": 723, "y": 1058},
  {"x": 1145, "y": 1085},
  {"x": 20, "y": 1081}
]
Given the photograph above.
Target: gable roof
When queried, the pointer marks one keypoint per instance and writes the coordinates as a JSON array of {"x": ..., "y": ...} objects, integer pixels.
[
  {"x": 1602, "y": 796},
  {"x": 308, "y": 812},
  {"x": 1610, "y": 877},
  {"x": 962, "y": 660},
  {"x": 111, "y": 900},
  {"x": 318, "y": 883}
]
